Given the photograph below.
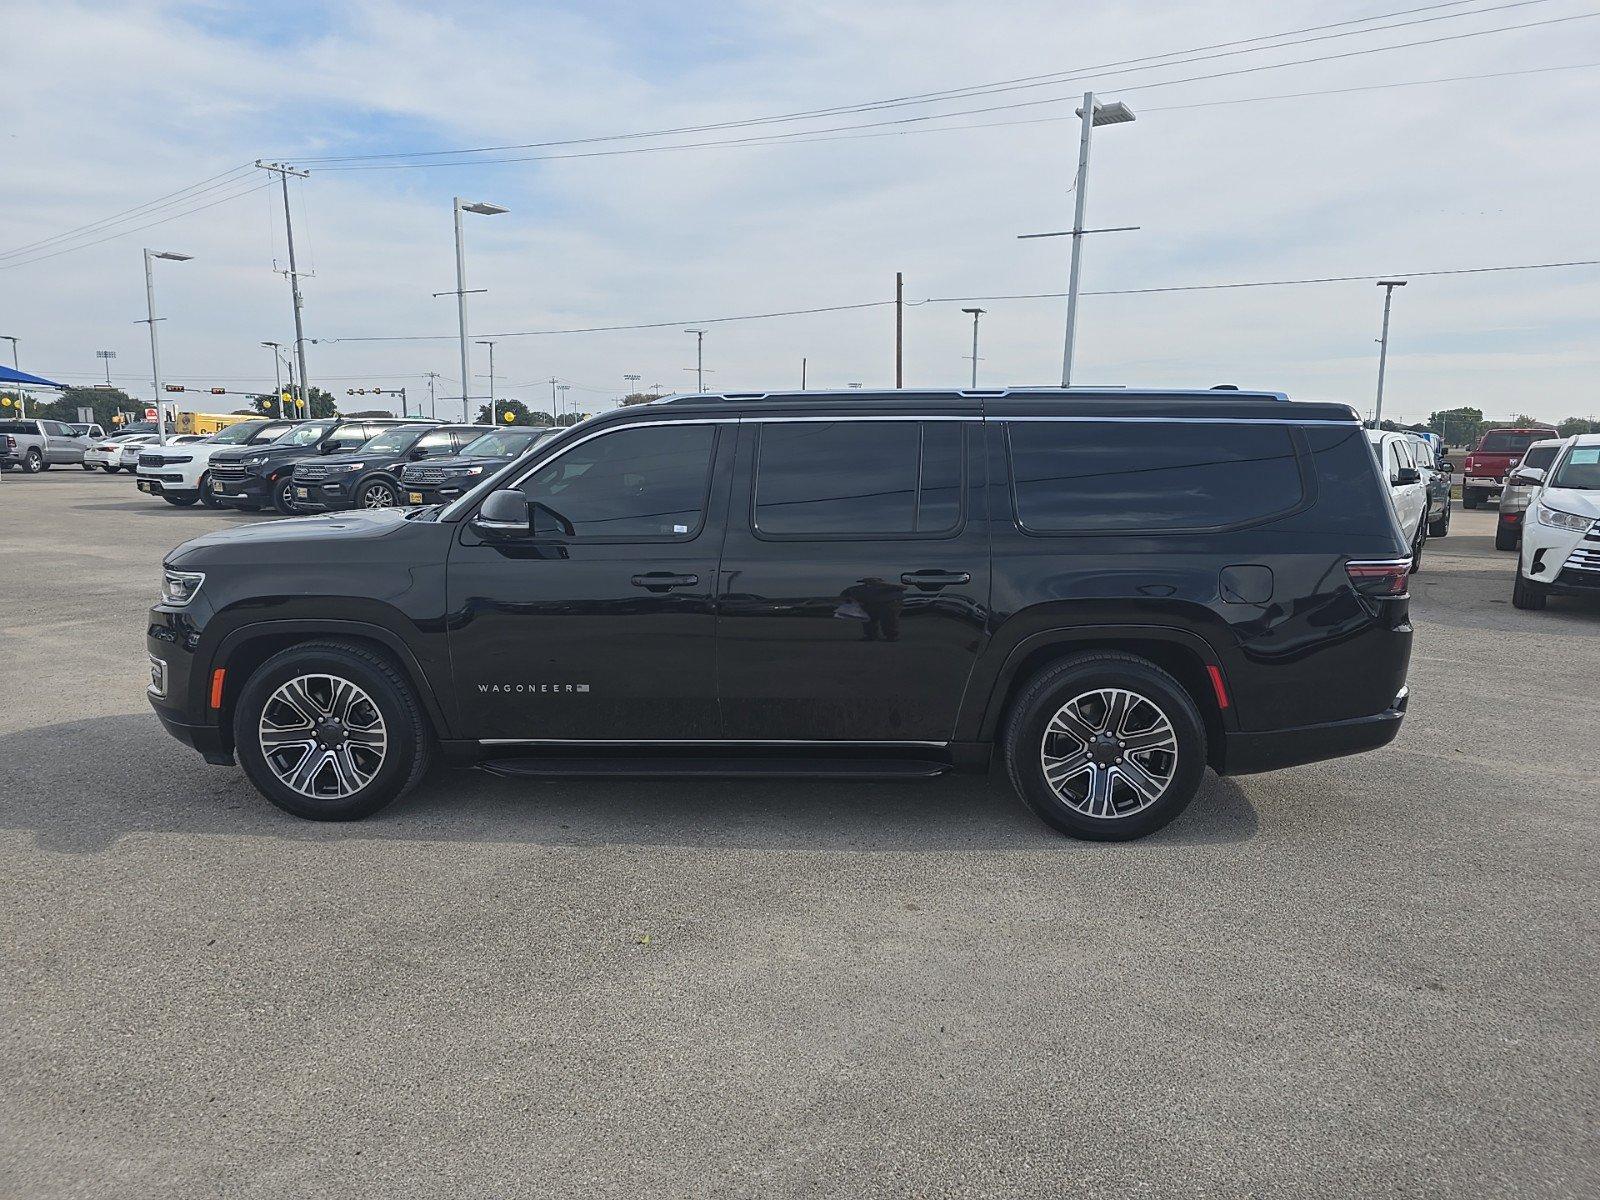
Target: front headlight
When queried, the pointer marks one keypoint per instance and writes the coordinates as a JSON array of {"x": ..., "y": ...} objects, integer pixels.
[
  {"x": 180, "y": 587},
  {"x": 342, "y": 468},
  {"x": 474, "y": 471},
  {"x": 255, "y": 460},
  {"x": 1557, "y": 519}
]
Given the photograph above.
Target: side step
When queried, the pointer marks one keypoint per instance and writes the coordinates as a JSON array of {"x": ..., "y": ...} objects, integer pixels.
[{"x": 712, "y": 767}]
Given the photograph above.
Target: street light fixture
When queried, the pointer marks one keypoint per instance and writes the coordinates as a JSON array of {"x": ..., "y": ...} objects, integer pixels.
[
  {"x": 485, "y": 209},
  {"x": 155, "y": 352},
  {"x": 633, "y": 382},
  {"x": 976, "y": 313}
]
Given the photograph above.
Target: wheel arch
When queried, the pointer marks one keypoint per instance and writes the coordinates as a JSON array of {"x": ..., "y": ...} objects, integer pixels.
[
  {"x": 245, "y": 649},
  {"x": 1185, "y": 656}
]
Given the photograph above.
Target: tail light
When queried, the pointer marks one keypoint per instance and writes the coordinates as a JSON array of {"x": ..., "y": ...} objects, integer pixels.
[{"x": 1386, "y": 578}]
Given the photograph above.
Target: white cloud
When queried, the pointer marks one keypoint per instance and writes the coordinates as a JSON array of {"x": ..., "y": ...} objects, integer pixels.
[{"x": 113, "y": 106}]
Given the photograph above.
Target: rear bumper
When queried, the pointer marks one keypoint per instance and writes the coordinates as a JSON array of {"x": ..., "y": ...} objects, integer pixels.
[{"x": 1252, "y": 753}]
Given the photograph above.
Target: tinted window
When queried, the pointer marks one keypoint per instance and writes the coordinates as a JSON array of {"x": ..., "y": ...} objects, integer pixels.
[
  {"x": 1500, "y": 441},
  {"x": 635, "y": 483},
  {"x": 500, "y": 444},
  {"x": 1540, "y": 456},
  {"x": 17, "y": 427},
  {"x": 858, "y": 478},
  {"x": 1094, "y": 477}
]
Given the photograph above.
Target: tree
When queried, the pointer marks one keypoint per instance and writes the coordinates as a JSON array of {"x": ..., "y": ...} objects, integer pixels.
[
  {"x": 640, "y": 397},
  {"x": 106, "y": 403},
  {"x": 322, "y": 405},
  {"x": 1457, "y": 426},
  {"x": 1574, "y": 425},
  {"x": 519, "y": 413}
]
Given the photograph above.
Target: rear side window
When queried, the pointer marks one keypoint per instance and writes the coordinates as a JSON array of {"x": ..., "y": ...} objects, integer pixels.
[
  {"x": 17, "y": 427},
  {"x": 858, "y": 478},
  {"x": 1540, "y": 456},
  {"x": 1113, "y": 477}
]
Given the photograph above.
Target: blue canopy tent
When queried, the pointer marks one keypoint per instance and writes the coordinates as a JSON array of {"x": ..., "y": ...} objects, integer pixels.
[{"x": 19, "y": 380}]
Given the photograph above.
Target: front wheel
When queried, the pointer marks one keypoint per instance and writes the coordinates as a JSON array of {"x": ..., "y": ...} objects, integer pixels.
[
  {"x": 377, "y": 494},
  {"x": 1527, "y": 594},
  {"x": 208, "y": 498},
  {"x": 331, "y": 731},
  {"x": 109, "y": 469},
  {"x": 283, "y": 497},
  {"x": 1105, "y": 747},
  {"x": 178, "y": 501},
  {"x": 87, "y": 466}
]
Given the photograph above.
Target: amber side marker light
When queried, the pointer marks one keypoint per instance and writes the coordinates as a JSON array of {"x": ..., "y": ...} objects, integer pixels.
[{"x": 216, "y": 686}]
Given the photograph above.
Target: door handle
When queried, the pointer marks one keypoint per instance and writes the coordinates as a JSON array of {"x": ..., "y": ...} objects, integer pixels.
[
  {"x": 930, "y": 581},
  {"x": 664, "y": 581}
]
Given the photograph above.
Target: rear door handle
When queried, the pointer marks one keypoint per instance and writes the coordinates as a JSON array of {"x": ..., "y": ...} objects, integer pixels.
[
  {"x": 663, "y": 581},
  {"x": 932, "y": 580}
]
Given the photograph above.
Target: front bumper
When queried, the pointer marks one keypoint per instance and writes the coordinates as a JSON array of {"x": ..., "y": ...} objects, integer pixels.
[
  {"x": 177, "y": 692},
  {"x": 1252, "y": 753},
  {"x": 431, "y": 493},
  {"x": 164, "y": 485},
  {"x": 248, "y": 489}
]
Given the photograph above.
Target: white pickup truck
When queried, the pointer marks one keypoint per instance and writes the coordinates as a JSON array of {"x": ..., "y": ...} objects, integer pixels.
[{"x": 177, "y": 471}]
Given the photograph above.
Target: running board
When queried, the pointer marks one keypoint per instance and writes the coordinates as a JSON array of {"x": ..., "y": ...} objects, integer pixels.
[{"x": 712, "y": 767}]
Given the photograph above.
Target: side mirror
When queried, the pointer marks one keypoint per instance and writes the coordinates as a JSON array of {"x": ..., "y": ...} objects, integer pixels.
[
  {"x": 1407, "y": 475},
  {"x": 1446, "y": 466},
  {"x": 504, "y": 514},
  {"x": 419, "y": 452},
  {"x": 1529, "y": 475}
]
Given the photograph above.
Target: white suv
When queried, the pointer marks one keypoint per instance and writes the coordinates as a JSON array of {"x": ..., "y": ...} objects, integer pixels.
[
  {"x": 177, "y": 472},
  {"x": 1408, "y": 491},
  {"x": 1561, "y": 533}
]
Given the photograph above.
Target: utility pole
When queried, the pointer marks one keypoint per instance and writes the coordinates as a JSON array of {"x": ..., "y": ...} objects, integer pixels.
[
  {"x": 482, "y": 208},
  {"x": 490, "y": 344},
  {"x": 155, "y": 353},
  {"x": 283, "y": 173},
  {"x": 564, "y": 388},
  {"x": 802, "y": 374},
  {"x": 1388, "y": 286},
  {"x": 699, "y": 358},
  {"x": 976, "y": 313},
  {"x": 433, "y": 406},
  {"x": 16, "y": 363},
  {"x": 277, "y": 376},
  {"x": 899, "y": 329}
]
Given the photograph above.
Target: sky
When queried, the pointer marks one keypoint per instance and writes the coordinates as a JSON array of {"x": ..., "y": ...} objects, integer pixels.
[{"x": 111, "y": 106}]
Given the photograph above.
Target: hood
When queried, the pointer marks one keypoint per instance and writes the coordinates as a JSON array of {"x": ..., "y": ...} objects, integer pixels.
[
  {"x": 286, "y": 541},
  {"x": 459, "y": 464},
  {"x": 1580, "y": 503},
  {"x": 270, "y": 449},
  {"x": 337, "y": 460}
]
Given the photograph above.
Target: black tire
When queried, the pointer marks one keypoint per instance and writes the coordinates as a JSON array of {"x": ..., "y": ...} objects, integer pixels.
[
  {"x": 207, "y": 498},
  {"x": 1441, "y": 527},
  {"x": 1043, "y": 699},
  {"x": 178, "y": 501},
  {"x": 409, "y": 739},
  {"x": 1527, "y": 594},
  {"x": 1417, "y": 543},
  {"x": 377, "y": 493},
  {"x": 283, "y": 497},
  {"x": 33, "y": 462},
  {"x": 1506, "y": 537},
  {"x": 87, "y": 466},
  {"x": 110, "y": 470},
  {"x": 1469, "y": 498}
]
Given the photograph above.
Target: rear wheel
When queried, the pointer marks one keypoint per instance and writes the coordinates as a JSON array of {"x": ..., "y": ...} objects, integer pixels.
[
  {"x": 1417, "y": 543},
  {"x": 1505, "y": 537},
  {"x": 1527, "y": 594},
  {"x": 1469, "y": 498},
  {"x": 109, "y": 469},
  {"x": 1105, "y": 747},
  {"x": 1441, "y": 526},
  {"x": 33, "y": 462},
  {"x": 331, "y": 731},
  {"x": 87, "y": 466}
]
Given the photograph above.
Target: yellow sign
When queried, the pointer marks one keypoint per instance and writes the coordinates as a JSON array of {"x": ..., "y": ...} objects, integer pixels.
[
  {"x": 508, "y": 416},
  {"x": 286, "y": 398},
  {"x": 5, "y": 401}
]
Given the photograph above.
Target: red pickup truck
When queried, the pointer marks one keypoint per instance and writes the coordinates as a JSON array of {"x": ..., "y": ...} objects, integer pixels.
[{"x": 1484, "y": 470}]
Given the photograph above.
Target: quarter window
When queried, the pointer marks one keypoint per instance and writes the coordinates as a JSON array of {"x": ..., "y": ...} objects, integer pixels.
[
  {"x": 858, "y": 478},
  {"x": 641, "y": 484},
  {"x": 1106, "y": 477}
]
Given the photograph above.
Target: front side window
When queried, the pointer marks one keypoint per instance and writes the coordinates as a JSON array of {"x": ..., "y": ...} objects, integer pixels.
[
  {"x": 393, "y": 441},
  {"x": 499, "y": 444},
  {"x": 1110, "y": 477},
  {"x": 439, "y": 442},
  {"x": 858, "y": 478},
  {"x": 647, "y": 483},
  {"x": 305, "y": 435}
]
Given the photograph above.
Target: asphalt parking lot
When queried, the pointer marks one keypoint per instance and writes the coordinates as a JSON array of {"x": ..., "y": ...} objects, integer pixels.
[{"x": 1374, "y": 976}]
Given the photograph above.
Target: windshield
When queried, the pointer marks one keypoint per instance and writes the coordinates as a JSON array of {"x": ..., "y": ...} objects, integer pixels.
[
  {"x": 395, "y": 441},
  {"x": 1580, "y": 470},
  {"x": 502, "y": 443},
  {"x": 305, "y": 435},
  {"x": 1540, "y": 456},
  {"x": 234, "y": 435},
  {"x": 1503, "y": 441}
]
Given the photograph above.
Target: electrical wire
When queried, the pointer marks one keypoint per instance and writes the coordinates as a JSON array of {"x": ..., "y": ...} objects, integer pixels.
[{"x": 1144, "y": 62}]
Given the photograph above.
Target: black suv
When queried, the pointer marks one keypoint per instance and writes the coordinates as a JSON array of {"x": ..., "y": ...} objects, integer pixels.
[
  {"x": 440, "y": 480},
  {"x": 369, "y": 476},
  {"x": 254, "y": 477},
  {"x": 1108, "y": 590}
]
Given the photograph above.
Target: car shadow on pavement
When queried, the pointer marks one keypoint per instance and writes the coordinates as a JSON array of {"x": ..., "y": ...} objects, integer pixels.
[{"x": 55, "y": 783}]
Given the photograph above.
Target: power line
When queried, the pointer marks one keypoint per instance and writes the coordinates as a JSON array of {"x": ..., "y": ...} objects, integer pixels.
[
  {"x": 812, "y": 134},
  {"x": 1144, "y": 62},
  {"x": 832, "y": 308}
]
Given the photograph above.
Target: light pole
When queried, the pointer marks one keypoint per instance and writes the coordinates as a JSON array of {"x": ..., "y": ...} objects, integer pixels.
[
  {"x": 155, "y": 352},
  {"x": 1093, "y": 114},
  {"x": 489, "y": 344},
  {"x": 633, "y": 383},
  {"x": 976, "y": 313},
  {"x": 699, "y": 358},
  {"x": 16, "y": 363},
  {"x": 277, "y": 374},
  {"x": 1388, "y": 286},
  {"x": 484, "y": 209},
  {"x": 106, "y": 356},
  {"x": 563, "y": 388}
]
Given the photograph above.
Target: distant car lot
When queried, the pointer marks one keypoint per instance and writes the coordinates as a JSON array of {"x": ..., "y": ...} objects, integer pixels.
[{"x": 1370, "y": 976}]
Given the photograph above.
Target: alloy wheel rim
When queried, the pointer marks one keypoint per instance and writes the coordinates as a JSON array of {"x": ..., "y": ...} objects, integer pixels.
[
  {"x": 377, "y": 496},
  {"x": 322, "y": 736},
  {"x": 1109, "y": 753}
]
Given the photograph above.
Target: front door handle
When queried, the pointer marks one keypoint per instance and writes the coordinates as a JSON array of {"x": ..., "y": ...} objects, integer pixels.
[
  {"x": 664, "y": 581},
  {"x": 930, "y": 581}
]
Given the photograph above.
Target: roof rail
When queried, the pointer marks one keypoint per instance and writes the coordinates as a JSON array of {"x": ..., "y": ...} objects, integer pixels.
[{"x": 1228, "y": 392}]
